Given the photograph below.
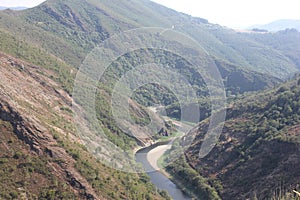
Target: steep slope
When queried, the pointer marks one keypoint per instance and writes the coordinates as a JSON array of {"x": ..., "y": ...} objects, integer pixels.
[
  {"x": 256, "y": 55},
  {"x": 257, "y": 155},
  {"x": 27, "y": 98},
  {"x": 58, "y": 35},
  {"x": 41, "y": 155},
  {"x": 18, "y": 163},
  {"x": 70, "y": 29},
  {"x": 286, "y": 41}
]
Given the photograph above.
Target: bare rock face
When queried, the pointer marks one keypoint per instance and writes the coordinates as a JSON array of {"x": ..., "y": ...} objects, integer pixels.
[{"x": 25, "y": 131}]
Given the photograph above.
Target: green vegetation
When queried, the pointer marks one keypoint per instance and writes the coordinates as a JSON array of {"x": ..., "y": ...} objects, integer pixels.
[
  {"x": 124, "y": 185},
  {"x": 19, "y": 48},
  {"x": 109, "y": 126},
  {"x": 184, "y": 176},
  {"x": 256, "y": 55},
  {"x": 191, "y": 180},
  {"x": 25, "y": 174},
  {"x": 273, "y": 114},
  {"x": 257, "y": 149},
  {"x": 57, "y": 169},
  {"x": 286, "y": 41},
  {"x": 69, "y": 30}
]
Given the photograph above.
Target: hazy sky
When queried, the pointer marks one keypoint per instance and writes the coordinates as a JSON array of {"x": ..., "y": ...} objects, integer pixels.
[
  {"x": 238, "y": 13},
  {"x": 231, "y": 13},
  {"x": 21, "y": 3}
]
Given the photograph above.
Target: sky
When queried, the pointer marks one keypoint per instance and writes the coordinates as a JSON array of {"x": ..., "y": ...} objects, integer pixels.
[
  {"x": 230, "y": 13},
  {"x": 20, "y": 3},
  {"x": 237, "y": 13}
]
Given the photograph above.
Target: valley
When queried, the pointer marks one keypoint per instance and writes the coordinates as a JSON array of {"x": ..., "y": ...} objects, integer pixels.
[{"x": 73, "y": 125}]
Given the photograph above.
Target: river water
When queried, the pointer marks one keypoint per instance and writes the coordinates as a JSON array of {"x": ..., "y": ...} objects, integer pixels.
[{"x": 157, "y": 178}]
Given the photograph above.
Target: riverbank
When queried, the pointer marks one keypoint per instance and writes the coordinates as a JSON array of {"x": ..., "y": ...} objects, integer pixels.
[
  {"x": 149, "y": 157},
  {"x": 153, "y": 157},
  {"x": 160, "y": 179}
]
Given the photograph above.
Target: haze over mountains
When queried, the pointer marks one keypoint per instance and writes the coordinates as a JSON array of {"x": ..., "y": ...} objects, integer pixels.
[
  {"x": 279, "y": 25},
  {"x": 12, "y": 8},
  {"x": 42, "y": 155}
]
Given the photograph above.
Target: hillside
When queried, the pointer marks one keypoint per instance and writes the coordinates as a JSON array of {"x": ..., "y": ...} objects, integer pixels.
[
  {"x": 257, "y": 155},
  {"x": 280, "y": 25},
  {"x": 59, "y": 34},
  {"x": 286, "y": 41},
  {"x": 74, "y": 28},
  {"x": 41, "y": 154},
  {"x": 63, "y": 32}
]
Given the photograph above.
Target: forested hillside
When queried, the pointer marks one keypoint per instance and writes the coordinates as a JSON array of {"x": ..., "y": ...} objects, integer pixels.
[{"x": 257, "y": 155}]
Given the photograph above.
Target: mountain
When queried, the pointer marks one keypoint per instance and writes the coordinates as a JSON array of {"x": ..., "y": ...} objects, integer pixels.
[
  {"x": 258, "y": 151},
  {"x": 279, "y": 25},
  {"x": 66, "y": 25},
  {"x": 285, "y": 41},
  {"x": 68, "y": 31},
  {"x": 42, "y": 155},
  {"x": 12, "y": 8}
]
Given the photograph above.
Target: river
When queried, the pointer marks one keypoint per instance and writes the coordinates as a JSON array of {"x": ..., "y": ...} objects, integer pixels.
[{"x": 158, "y": 179}]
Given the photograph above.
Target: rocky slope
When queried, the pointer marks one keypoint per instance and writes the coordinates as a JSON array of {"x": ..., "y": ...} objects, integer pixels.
[
  {"x": 41, "y": 156},
  {"x": 31, "y": 102}
]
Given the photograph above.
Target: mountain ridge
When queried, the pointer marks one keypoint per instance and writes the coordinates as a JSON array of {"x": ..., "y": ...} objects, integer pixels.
[
  {"x": 279, "y": 25},
  {"x": 13, "y": 8},
  {"x": 202, "y": 31}
]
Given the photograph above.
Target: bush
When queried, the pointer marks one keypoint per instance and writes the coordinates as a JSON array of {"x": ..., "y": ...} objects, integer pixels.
[{"x": 14, "y": 194}]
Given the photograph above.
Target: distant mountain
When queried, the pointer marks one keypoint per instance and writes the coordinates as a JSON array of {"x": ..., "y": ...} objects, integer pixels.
[
  {"x": 279, "y": 25},
  {"x": 12, "y": 8}
]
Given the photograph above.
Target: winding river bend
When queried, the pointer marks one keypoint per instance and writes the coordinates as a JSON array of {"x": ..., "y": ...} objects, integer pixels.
[{"x": 160, "y": 180}]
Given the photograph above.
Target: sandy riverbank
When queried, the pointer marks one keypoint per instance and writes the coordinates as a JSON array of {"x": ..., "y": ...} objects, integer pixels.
[{"x": 156, "y": 153}]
